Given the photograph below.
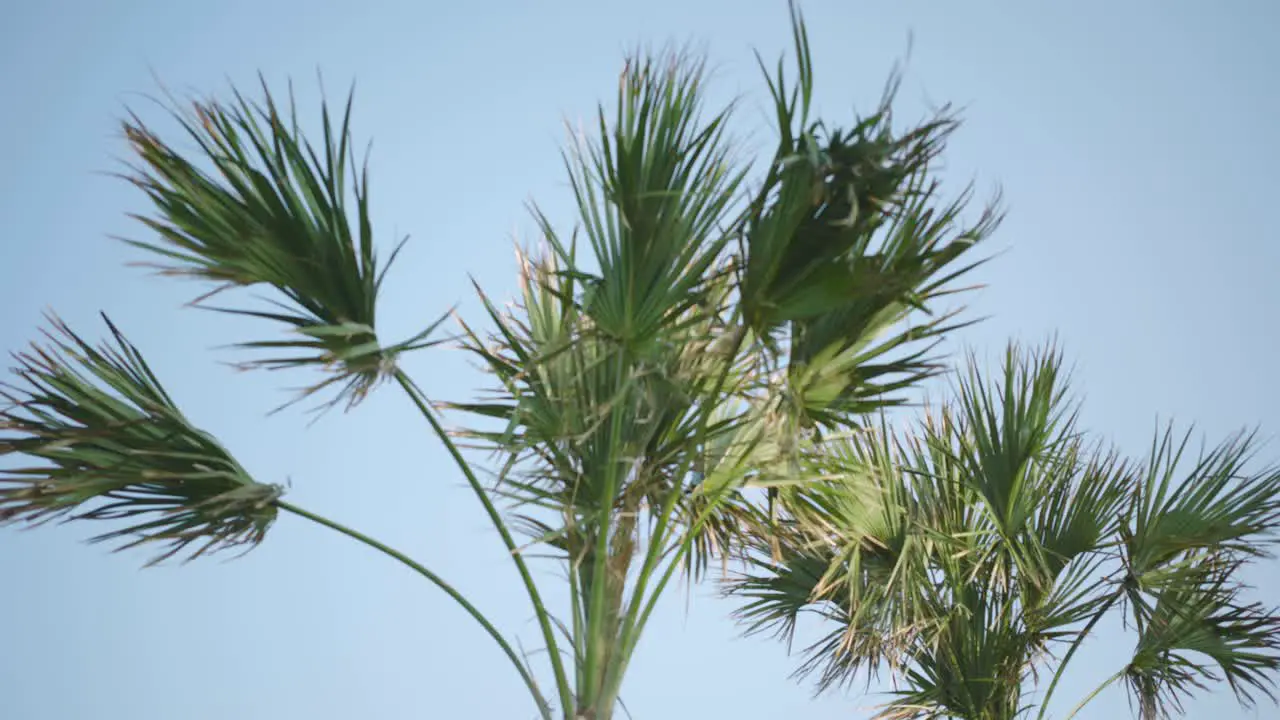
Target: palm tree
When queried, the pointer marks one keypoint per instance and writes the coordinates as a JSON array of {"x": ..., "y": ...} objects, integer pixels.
[
  {"x": 648, "y": 395},
  {"x": 982, "y": 546}
]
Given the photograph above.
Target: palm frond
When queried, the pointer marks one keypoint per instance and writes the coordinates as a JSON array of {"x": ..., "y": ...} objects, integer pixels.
[
  {"x": 111, "y": 445},
  {"x": 1216, "y": 504},
  {"x": 653, "y": 196},
  {"x": 1201, "y": 616},
  {"x": 611, "y": 379},
  {"x": 1189, "y": 528},
  {"x": 847, "y": 545},
  {"x": 847, "y": 249},
  {"x": 1018, "y": 427},
  {"x": 1082, "y": 496},
  {"x": 973, "y": 667},
  {"x": 951, "y": 553},
  {"x": 259, "y": 204}
]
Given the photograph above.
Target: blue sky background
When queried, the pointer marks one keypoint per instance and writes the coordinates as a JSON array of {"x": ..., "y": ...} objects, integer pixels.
[{"x": 1134, "y": 141}]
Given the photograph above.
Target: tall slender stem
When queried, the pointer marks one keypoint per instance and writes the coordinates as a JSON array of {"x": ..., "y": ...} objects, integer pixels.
[
  {"x": 600, "y": 615},
  {"x": 1075, "y": 645},
  {"x": 563, "y": 688},
  {"x": 634, "y": 621},
  {"x": 543, "y": 708},
  {"x": 1094, "y": 694}
]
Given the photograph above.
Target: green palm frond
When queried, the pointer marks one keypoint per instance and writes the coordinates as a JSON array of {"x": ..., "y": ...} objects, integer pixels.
[
  {"x": 618, "y": 361},
  {"x": 618, "y": 377},
  {"x": 562, "y": 385},
  {"x": 848, "y": 247},
  {"x": 112, "y": 446},
  {"x": 1053, "y": 498},
  {"x": 653, "y": 196},
  {"x": 1217, "y": 504},
  {"x": 1201, "y": 616},
  {"x": 953, "y": 552},
  {"x": 851, "y": 545},
  {"x": 973, "y": 667},
  {"x": 1019, "y": 427},
  {"x": 1190, "y": 527},
  {"x": 774, "y": 596},
  {"x": 1082, "y": 495},
  {"x": 259, "y": 204}
]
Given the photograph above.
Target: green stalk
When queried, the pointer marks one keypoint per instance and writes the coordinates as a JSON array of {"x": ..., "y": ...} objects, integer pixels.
[
  {"x": 633, "y": 637},
  {"x": 543, "y": 708},
  {"x": 685, "y": 546},
  {"x": 579, "y": 629},
  {"x": 601, "y": 630},
  {"x": 1094, "y": 694},
  {"x": 540, "y": 610},
  {"x": 1075, "y": 645},
  {"x": 630, "y": 627}
]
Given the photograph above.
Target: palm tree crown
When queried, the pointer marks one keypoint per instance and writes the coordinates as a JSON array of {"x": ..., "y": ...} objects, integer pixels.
[{"x": 691, "y": 376}]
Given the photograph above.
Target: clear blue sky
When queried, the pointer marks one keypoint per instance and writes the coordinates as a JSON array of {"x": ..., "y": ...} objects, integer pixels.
[{"x": 1135, "y": 142}]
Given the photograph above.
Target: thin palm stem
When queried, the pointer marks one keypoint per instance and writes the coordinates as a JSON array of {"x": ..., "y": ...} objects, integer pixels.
[
  {"x": 563, "y": 688},
  {"x": 601, "y": 619},
  {"x": 1094, "y": 694},
  {"x": 543, "y": 708},
  {"x": 1075, "y": 645},
  {"x": 634, "y": 621}
]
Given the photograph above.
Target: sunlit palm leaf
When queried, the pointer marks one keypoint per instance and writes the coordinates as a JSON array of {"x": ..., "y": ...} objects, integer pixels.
[
  {"x": 112, "y": 446},
  {"x": 848, "y": 545}
]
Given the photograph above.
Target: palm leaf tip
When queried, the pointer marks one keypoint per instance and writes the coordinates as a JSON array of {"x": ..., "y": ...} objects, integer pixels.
[
  {"x": 257, "y": 203},
  {"x": 109, "y": 444}
]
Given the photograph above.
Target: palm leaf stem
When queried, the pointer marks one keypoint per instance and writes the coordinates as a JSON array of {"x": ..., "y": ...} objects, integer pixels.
[
  {"x": 543, "y": 708},
  {"x": 563, "y": 687},
  {"x": 1075, "y": 645}
]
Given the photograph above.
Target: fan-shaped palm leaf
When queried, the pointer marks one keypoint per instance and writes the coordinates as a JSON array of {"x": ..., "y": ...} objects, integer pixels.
[
  {"x": 114, "y": 447},
  {"x": 653, "y": 195},
  {"x": 272, "y": 209},
  {"x": 1202, "y": 615},
  {"x": 1216, "y": 504},
  {"x": 847, "y": 248}
]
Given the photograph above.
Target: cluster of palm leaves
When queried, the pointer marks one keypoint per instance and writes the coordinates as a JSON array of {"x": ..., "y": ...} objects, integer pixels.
[
  {"x": 980, "y": 547},
  {"x": 703, "y": 387}
]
